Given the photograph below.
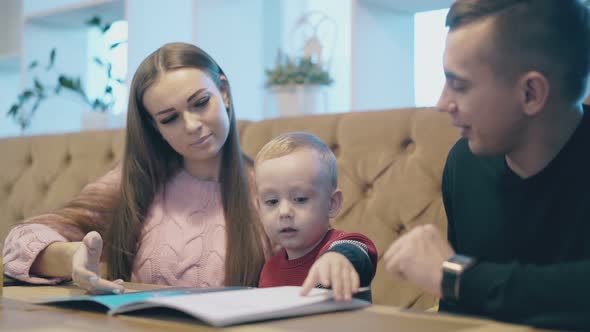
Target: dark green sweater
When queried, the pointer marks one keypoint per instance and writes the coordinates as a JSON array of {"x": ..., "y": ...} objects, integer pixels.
[{"x": 531, "y": 236}]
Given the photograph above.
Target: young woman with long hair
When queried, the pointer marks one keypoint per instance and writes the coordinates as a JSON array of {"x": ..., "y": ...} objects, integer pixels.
[{"x": 176, "y": 211}]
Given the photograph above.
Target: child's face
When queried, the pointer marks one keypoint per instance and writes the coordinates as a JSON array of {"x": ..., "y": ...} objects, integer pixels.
[{"x": 295, "y": 201}]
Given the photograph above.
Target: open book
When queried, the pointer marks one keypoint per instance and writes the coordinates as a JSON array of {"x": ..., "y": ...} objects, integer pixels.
[{"x": 222, "y": 306}]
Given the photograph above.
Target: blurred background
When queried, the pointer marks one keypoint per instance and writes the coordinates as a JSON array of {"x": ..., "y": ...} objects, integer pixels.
[{"x": 65, "y": 65}]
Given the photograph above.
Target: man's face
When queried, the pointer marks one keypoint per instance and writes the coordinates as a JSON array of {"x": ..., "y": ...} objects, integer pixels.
[{"x": 484, "y": 106}]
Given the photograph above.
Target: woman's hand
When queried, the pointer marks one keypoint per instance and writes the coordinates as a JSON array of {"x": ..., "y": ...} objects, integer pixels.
[{"x": 86, "y": 267}]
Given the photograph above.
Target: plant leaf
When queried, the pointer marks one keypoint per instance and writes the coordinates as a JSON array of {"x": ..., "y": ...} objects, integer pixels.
[
  {"x": 114, "y": 45},
  {"x": 13, "y": 111},
  {"x": 37, "y": 103},
  {"x": 95, "y": 21},
  {"x": 98, "y": 61},
  {"x": 106, "y": 27},
  {"x": 23, "y": 123},
  {"x": 120, "y": 80},
  {"x": 51, "y": 59},
  {"x": 66, "y": 82},
  {"x": 27, "y": 94},
  {"x": 33, "y": 65},
  {"x": 110, "y": 71},
  {"x": 38, "y": 85},
  {"x": 108, "y": 89}
]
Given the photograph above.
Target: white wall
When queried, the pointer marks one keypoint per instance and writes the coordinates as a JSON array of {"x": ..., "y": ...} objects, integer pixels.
[
  {"x": 272, "y": 31},
  {"x": 61, "y": 113},
  {"x": 373, "y": 63},
  {"x": 383, "y": 57},
  {"x": 339, "y": 93},
  {"x": 152, "y": 23},
  {"x": 32, "y": 7},
  {"x": 9, "y": 92},
  {"x": 10, "y": 16},
  {"x": 232, "y": 33}
]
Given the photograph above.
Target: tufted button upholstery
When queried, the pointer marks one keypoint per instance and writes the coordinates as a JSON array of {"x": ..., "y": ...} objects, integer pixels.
[
  {"x": 390, "y": 166},
  {"x": 44, "y": 188},
  {"x": 40, "y": 173},
  {"x": 367, "y": 188},
  {"x": 335, "y": 149},
  {"x": 110, "y": 156},
  {"x": 7, "y": 189}
]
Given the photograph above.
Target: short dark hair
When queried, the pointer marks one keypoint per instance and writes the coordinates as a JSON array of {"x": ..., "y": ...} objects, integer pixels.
[{"x": 548, "y": 36}]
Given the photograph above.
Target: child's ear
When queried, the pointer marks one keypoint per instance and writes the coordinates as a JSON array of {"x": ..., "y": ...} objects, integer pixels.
[{"x": 335, "y": 202}]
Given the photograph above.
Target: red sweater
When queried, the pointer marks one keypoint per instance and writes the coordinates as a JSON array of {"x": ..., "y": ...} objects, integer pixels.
[{"x": 279, "y": 271}]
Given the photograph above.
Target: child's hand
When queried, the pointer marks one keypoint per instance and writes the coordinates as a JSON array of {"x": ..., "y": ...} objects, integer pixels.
[{"x": 335, "y": 270}]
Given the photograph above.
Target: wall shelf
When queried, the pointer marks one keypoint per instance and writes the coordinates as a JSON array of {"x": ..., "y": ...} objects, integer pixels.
[{"x": 75, "y": 16}]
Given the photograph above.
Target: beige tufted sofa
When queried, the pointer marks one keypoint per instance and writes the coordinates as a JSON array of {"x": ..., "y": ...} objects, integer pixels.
[{"x": 390, "y": 165}]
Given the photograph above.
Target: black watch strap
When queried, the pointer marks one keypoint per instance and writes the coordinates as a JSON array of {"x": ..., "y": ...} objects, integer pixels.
[{"x": 449, "y": 282}]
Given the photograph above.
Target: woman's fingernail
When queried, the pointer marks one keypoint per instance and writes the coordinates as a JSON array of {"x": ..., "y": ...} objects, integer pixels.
[
  {"x": 117, "y": 291},
  {"x": 93, "y": 279}
]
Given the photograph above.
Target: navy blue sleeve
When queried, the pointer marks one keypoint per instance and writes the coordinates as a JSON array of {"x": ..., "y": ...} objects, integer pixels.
[{"x": 357, "y": 253}]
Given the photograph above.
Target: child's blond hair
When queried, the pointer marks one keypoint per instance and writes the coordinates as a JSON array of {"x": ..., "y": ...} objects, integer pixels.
[{"x": 287, "y": 143}]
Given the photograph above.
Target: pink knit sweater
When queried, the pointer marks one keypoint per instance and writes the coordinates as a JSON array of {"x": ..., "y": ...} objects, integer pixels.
[{"x": 182, "y": 243}]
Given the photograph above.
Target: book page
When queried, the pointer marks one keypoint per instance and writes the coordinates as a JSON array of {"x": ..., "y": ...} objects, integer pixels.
[
  {"x": 132, "y": 300},
  {"x": 222, "y": 308}
]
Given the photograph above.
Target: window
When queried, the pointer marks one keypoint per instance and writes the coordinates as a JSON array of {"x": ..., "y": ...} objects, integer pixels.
[
  {"x": 99, "y": 45},
  {"x": 429, "y": 42}
]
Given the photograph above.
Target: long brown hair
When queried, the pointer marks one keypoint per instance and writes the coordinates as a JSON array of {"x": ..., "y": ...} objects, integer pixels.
[{"x": 149, "y": 162}]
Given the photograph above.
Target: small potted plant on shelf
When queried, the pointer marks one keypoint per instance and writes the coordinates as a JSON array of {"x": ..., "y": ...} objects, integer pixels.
[
  {"x": 29, "y": 100},
  {"x": 297, "y": 84}
]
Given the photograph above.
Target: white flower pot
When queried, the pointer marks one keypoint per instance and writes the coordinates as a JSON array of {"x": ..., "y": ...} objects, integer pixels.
[
  {"x": 293, "y": 100},
  {"x": 94, "y": 120}
]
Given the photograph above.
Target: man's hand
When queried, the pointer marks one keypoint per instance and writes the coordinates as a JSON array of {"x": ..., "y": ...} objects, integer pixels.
[
  {"x": 86, "y": 267},
  {"x": 335, "y": 270},
  {"x": 418, "y": 257}
]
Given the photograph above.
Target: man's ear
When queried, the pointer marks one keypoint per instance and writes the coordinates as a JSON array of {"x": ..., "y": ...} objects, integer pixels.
[
  {"x": 534, "y": 89},
  {"x": 336, "y": 200}
]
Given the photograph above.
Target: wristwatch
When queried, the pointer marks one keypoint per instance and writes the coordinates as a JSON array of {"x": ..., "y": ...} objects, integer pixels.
[{"x": 453, "y": 268}]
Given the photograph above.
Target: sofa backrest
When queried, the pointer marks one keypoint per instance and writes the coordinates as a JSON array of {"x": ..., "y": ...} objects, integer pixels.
[{"x": 390, "y": 166}]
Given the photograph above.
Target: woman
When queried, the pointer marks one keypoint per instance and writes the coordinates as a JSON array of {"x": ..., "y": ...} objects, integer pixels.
[{"x": 177, "y": 211}]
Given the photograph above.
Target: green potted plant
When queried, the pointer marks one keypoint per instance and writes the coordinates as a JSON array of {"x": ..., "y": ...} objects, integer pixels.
[
  {"x": 29, "y": 100},
  {"x": 297, "y": 85}
]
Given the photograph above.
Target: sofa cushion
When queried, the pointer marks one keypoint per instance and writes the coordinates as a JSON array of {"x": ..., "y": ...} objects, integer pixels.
[{"x": 390, "y": 166}]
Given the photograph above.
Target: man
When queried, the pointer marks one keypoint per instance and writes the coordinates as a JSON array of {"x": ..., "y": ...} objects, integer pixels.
[{"x": 516, "y": 186}]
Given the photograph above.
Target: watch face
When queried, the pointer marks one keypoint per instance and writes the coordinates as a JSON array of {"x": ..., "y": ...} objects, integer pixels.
[{"x": 462, "y": 260}]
